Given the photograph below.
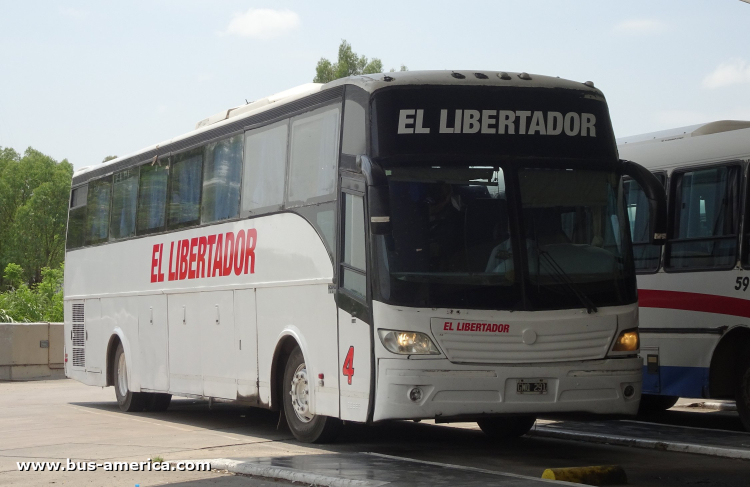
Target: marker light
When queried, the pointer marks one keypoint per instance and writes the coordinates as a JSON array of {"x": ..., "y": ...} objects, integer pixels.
[
  {"x": 628, "y": 341},
  {"x": 407, "y": 342}
]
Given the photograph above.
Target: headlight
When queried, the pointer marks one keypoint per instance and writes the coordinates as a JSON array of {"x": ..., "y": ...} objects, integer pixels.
[
  {"x": 408, "y": 342},
  {"x": 628, "y": 341}
]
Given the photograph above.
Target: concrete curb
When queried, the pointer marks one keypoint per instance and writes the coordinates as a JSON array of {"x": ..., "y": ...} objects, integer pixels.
[
  {"x": 713, "y": 451},
  {"x": 293, "y": 475},
  {"x": 717, "y": 406}
]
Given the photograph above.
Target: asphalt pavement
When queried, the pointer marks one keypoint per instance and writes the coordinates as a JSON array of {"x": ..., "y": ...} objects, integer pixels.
[{"x": 56, "y": 420}]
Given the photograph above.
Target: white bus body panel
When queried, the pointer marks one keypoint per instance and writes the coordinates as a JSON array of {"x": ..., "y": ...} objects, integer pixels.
[
  {"x": 577, "y": 380},
  {"x": 192, "y": 346}
]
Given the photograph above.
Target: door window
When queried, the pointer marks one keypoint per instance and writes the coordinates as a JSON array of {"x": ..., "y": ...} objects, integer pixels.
[
  {"x": 353, "y": 262},
  {"x": 704, "y": 219}
]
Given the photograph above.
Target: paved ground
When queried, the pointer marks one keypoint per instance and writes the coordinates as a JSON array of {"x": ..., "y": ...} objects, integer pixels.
[{"x": 56, "y": 420}]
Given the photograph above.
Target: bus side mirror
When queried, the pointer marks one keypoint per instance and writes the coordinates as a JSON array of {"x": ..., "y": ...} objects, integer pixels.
[
  {"x": 656, "y": 196},
  {"x": 378, "y": 196}
]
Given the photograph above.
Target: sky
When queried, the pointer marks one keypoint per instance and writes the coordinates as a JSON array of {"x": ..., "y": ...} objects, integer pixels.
[{"x": 82, "y": 80}]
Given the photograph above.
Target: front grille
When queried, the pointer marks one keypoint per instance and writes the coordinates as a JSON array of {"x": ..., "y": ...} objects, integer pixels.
[{"x": 555, "y": 342}]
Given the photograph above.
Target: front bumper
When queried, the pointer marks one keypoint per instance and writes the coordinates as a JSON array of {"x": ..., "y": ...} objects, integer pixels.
[{"x": 451, "y": 390}]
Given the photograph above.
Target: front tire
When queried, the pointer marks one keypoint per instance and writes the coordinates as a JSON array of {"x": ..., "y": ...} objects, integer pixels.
[
  {"x": 743, "y": 396},
  {"x": 507, "y": 427},
  {"x": 129, "y": 401},
  {"x": 305, "y": 426}
]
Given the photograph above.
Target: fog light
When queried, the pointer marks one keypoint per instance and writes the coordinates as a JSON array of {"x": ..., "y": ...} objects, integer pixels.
[
  {"x": 628, "y": 341},
  {"x": 629, "y": 391},
  {"x": 415, "y": 394}
]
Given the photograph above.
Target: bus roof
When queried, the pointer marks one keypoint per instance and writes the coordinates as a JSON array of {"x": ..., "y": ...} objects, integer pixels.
[
  {"x": 369, "y": 83},
  {"x": 722, "y": 140}
]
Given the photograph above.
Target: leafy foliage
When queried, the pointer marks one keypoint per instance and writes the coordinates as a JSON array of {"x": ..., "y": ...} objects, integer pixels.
[
  {"x": 34, "y": 192},
  {"x": 348, "y": 64},
  {"x": 42, "y": 302}
]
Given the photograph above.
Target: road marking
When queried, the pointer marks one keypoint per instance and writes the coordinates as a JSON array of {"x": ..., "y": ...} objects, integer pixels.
[{"x": 469, "y": 469}]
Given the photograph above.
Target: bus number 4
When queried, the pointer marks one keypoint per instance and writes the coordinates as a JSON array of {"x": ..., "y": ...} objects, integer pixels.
[{"x": 348, "y": 369}]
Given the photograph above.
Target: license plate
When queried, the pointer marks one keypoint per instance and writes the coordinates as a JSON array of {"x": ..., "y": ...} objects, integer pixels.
[{"x": 531, "y": 386}]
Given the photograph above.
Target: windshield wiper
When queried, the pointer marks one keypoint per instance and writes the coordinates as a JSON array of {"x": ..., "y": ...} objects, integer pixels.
[{"x": 561, "y": 274}]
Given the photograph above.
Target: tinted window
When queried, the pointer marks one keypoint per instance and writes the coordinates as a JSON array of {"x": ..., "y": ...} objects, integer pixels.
[
  {"x": 221, "y": 180},
  {"x": 76, "y": 217},
  {"x": 646, "y": 255},
  {"x": 265, "y": 167},
  {"x": 705, "y": 218},
  {"x": 124, "y": 203},
  {"x": 97, "y": 211},
  {"x": 152, "y": 199},
  {"x": 313, "y": 156},
  {"x": 185, "y": 190}
]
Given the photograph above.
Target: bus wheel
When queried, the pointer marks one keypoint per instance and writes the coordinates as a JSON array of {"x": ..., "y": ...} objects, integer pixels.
[
  {"x": 128, "y": 401},
  {"x": 743, "y": 396},
  {"x": 156, "y": 402},
  {"x": 305, "y": 426},
  {"x": 507, "y": 427},
  {"x": 652, "y": 403}
]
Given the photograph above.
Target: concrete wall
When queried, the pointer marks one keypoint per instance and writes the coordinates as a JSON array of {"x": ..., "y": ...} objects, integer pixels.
[{"x": 23, "y": 355}]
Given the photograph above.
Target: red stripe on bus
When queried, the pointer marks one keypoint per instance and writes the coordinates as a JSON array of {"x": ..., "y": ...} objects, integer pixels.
[{"x": 705, "y": 303}]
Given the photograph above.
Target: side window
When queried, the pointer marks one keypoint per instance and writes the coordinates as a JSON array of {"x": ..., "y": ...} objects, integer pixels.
[
  {"x": 222, "y": 171},
  {"x": 152, "y": 198},
  {"x": 705, "y": 218},
  {"x": 124, "y": 203},
  {"x": 313, "y": 156},
  {"x": 185, "y": 189},
  {"x": 354, "y": 139},
  {"x": 353, "y": 260},
  {"x": 646, "y": 256},
  {"x": 76, "y": 217},
  {"x": 265, "y": 168},
  {"x": 97, "y": 211}
]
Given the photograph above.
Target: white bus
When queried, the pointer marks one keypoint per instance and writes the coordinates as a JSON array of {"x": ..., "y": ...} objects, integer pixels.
[
  {"x": 447, "y": 245},
  {"x": 695, "y": 295}
]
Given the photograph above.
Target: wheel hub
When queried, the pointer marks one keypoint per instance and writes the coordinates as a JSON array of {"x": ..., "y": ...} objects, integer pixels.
[
  {"x": 122, "y": 376},
  {"x": 300, "y": 394}
]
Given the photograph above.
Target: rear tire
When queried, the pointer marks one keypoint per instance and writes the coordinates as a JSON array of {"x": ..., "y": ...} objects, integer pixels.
[
  {"x": 743, "y": 396},
  {"x": 305, "y": 426},
  {"x": 129, "y": 401},
  {"x": 653, "y": 404},
  {"x": 157, "y": 402},
  {"x": 507, "y": 427}
]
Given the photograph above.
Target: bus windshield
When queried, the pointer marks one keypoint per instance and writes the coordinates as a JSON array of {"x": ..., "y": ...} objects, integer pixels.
[{"x": 454, "y": 243}]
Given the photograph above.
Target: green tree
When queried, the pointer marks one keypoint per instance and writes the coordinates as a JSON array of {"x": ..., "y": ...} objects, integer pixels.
[
  {"x": 108, "y": 158},
  {"x": 43, "y": 302},
  {"x": 34, "y": 192},
  {"x": 348, "y": 64}
]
